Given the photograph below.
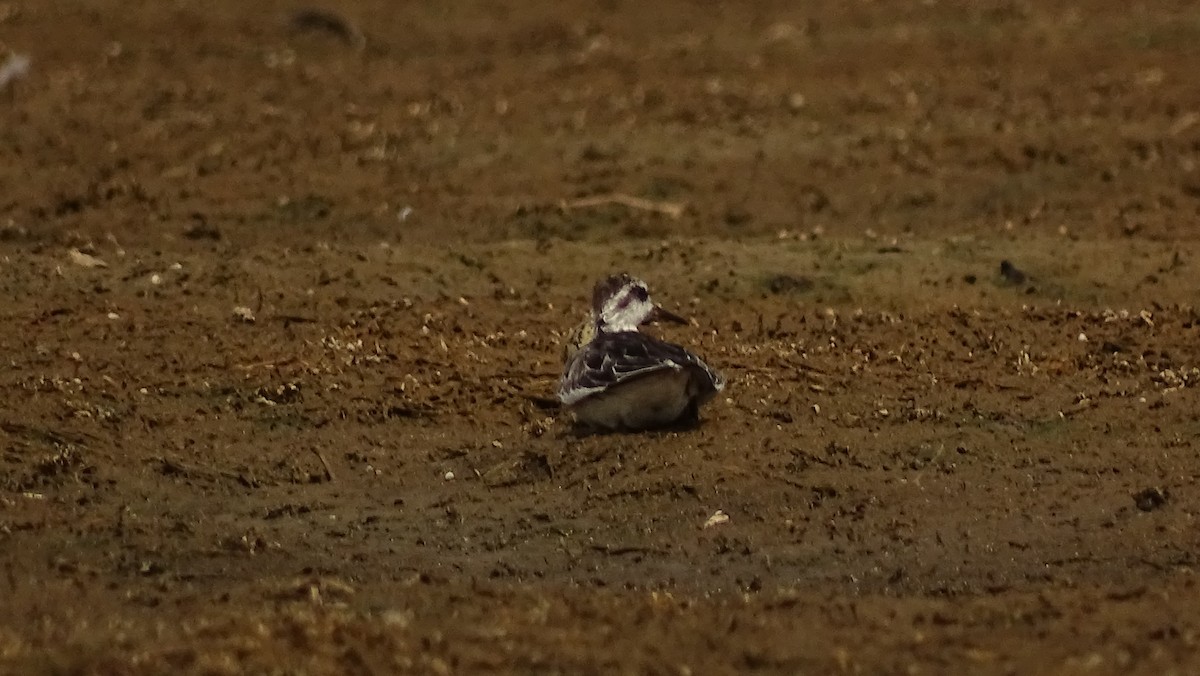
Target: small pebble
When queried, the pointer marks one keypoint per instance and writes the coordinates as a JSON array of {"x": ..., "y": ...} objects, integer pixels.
[{"x": 718, "y": 517}]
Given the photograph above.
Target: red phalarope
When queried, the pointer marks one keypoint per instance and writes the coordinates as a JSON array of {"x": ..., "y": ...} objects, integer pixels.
[{"x": 617, "y": 378}]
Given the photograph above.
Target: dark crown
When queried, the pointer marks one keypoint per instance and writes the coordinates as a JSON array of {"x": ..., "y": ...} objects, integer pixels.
[{"x": 609, "y": 286}]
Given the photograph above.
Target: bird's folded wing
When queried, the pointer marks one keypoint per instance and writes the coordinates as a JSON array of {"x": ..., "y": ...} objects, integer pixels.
[{"x": 615, "y": 358}]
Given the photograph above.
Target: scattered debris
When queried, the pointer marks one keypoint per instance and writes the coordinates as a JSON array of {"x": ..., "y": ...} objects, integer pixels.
[
  {"x": 1150, "y": 499},
  {"x": 15, "y": 67},
  {"x": 718, "y": 517},
  {"x": 11, "y": 232},
  {"x": 313, "y": 20},
  {"x": 397, "y": 619},
  {"x": 1011, "y": 274},
  {"x": 527, "y": 468},
  {"x": 785, "y": 283},
  {"x": 85, "y": 260},
  {"x": 244, "y": 314},
  {"x": 286, "y": 393},
  {"x": 171, "y": 467},
  {"x": 448, "y": 476},
  {"x": 325, "y": 464},
  {"x": 201, "y": 229},
  {"x": 318, "y": 591},
  {"x": 671, "y": 209},
  {"x": 623, "y": 550},
  {"x": 120, "y": 251}
]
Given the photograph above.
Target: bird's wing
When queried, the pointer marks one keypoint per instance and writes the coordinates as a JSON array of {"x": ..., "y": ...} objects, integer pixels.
[{"x": 614, "y": 358}]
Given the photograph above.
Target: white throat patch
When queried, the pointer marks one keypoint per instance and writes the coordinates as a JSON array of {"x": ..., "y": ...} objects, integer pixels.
[{"x": 627, "y": 309}]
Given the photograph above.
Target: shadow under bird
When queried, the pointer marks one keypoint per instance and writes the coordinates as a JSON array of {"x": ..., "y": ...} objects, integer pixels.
[{"x": 617, "y": 378}]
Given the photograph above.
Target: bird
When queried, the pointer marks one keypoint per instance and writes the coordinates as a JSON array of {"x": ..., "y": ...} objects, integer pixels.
[{"x": 616, "y": 378}]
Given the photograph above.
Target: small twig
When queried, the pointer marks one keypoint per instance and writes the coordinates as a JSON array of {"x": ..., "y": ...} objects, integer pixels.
[
  {"x": 1082, "y": 406},
  {"x": 791, "y": 482},
  {"x": 294, "y": 319},
  {"x": 672, "y": 209},
  {"x": 527, "y": 375},
  {"x": 266, "y": 364},
  {"x": 45, "y": 435},
  {"x": 751, "y": 369},
  {"x": 622, "y": 550},
  {"x": 170, "y": 466},
  {"x": 324, "y": 463}
]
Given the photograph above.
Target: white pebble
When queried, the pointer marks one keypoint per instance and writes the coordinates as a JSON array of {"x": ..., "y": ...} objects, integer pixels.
[{"x": 718, "y": 517}]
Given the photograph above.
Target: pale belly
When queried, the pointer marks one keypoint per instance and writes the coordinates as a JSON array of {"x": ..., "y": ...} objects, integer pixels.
[{"x": 653, "y": 401}]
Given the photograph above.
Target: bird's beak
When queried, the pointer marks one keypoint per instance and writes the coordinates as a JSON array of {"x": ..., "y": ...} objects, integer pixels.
[{"x": 658, "y": 314}]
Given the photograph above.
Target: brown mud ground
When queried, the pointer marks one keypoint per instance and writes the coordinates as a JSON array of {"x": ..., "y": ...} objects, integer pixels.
[{"x": 285, "y": 407}]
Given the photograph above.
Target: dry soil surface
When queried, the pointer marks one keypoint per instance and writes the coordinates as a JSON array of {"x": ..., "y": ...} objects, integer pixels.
[{"x": 284, "y": 289}]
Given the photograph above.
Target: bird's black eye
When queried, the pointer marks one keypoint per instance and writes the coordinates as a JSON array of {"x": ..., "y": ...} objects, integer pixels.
[{"x": 641, "y": 293}]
